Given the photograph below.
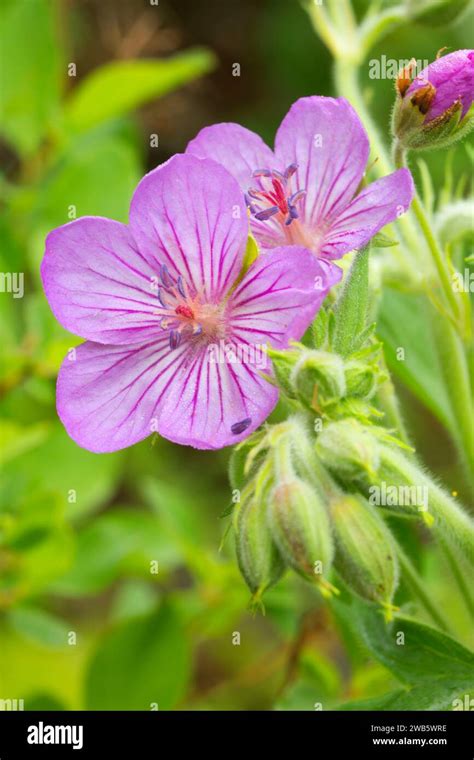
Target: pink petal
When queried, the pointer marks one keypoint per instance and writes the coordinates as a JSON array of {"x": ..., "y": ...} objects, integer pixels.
[
  {"x": 453, "y": 77},
  {"x": 214, "y": 401},
  {"x": 110, "y": 397},
  {"x": 98, "y": 284},
  {"x": 107, "y": 395},
  {"x": 280, "y": 295},
  {"x": 377, "y": 205},
  {"x": 238, "y": 149},
  {"x": 190, "y": 213},
  {"x": 326, "y": 139}
]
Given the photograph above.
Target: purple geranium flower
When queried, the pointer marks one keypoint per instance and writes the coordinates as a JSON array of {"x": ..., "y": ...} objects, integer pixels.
[
  {"x": 446, "y": 81},
  {"x": 155, "y": 298},
  {"x": 303, "y": 192}
]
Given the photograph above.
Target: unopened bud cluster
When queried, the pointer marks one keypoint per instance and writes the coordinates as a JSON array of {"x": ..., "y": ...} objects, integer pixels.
[{"x": 435, "y": 109}]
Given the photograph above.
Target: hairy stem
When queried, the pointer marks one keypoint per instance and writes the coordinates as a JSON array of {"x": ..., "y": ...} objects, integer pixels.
[
  {"x": 449, "y": 519},
  {"x": 419, "y": 590}
]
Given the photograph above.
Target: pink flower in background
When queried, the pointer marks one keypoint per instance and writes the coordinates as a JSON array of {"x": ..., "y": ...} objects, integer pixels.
[
  {"x": 445, "y": 82},
  {"x": 302, "y": 193},
  {"x": 155, "y": 297}
]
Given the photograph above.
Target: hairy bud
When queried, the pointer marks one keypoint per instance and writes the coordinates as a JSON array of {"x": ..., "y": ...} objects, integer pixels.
[
  {"x": 365, "y": 551},
  {"x": 350, "y": 451},
  {"x": 300, "y": 527},
  {"x": 318, "y": 378},
  {"x": 260, "y": 562},
  {"x": 435, "y": 109},
  {"x": 362, "y": 379}
]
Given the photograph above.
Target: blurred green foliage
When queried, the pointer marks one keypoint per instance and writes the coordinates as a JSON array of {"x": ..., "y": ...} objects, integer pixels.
[{"x": 113, "y": 592}]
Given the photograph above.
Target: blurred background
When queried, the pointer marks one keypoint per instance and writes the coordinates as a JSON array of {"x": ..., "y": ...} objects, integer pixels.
[{"x": 113, "y": 591}]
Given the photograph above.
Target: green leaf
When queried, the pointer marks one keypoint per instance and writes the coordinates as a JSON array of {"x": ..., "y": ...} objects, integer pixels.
[
  {"x": 133, "y": 599},
  {"x": 414, "y": 652},
  {"x": 380, "y": 240},
  {"x": 140, "y": 663},
  {"x": 120, "y": 542},
  {"x": 119, "y": 87},
  {"x": 30, "y": 71},
  {"x": 351, "y": 306},
  {"x": 81, "y": 480},
  {"x": 17, "y": 439},
  {"x": 405, "y": 323},
  {"x": 38, "y": 625},
  {"x": 84, "y": 179},
  {"x": 437, "y": 697}
]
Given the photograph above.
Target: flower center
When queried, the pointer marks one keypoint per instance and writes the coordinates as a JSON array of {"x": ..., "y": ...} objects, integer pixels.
[
  {"x": 274, "y": 196},
  {"x": 183, "y": 314}
]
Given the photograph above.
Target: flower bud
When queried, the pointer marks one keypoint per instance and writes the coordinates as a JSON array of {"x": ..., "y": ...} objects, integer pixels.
[
  {"x": 350, "y": 451},
  {"x": 300, "y": 527},
  {"x": 260, "y": 562},
  {"x": 365, "y": 550},
  {"x": 434, "y": 110},
  {"x": 283, "y": 363},
  {"x": 361, "y": 379},
  {"x": 318, "y": 378}
]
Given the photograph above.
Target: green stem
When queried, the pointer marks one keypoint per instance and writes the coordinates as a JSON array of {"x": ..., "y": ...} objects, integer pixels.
[
  {"x": 433, "y": 245},
  {"x": 458, "y": 575},
  {"x": 390, "y": 406},
  {"x": 450, "y": 346},
  {"x": 449, "y": 519},
  {"x": 419, "y": 590},
  {"x": 374, "y": 28},
  {"x": 455, "y": 369},
  {"x": 346, "y": 79}
]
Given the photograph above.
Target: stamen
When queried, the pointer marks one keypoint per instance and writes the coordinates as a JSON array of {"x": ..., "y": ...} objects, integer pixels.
[
  {"x": 175, "y": 339},
  {"x": 165, "y": 276},
  {"x": 180, "y": 285},
  {"x": 266, "y": 214},
  {"x": 161, "y": 299},
  {"x": 182, "y": 313},
  {"x": 239, "y": 427},
  {"x": 274, "y": 196}
]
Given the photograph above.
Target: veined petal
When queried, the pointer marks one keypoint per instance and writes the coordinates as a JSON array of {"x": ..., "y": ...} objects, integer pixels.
[
  {"x": 110, "y": 397},
  {"x": 98, "y": 284},
  {"x": 279, "y": 296},
  {"x": 237, "y": 148},
  {"x": 218, "y": 399},
  {"x": 327, "y": 141},
  {"x": 377, "y": 205},
  {"x": 190, "y": 214},
  {"x": 107, "y": 395}
]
